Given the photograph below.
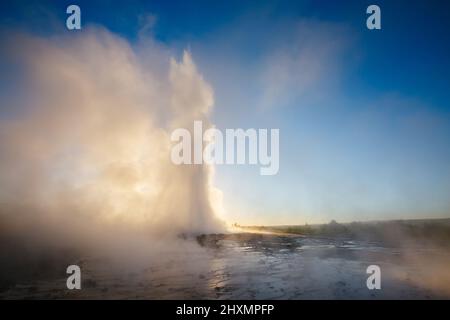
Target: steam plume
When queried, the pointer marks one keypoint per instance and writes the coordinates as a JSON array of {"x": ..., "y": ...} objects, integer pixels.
[{"x": 89, "y": 150}]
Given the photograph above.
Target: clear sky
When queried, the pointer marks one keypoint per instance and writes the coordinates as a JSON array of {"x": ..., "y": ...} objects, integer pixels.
[{"x": 364, "y": 115}]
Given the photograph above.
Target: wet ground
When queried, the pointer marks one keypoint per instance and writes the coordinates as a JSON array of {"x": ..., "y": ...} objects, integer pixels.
[{"x": 259, "y": 266}]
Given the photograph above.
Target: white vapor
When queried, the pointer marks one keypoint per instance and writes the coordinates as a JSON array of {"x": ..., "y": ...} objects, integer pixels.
[{"x": 87, "y": 157}]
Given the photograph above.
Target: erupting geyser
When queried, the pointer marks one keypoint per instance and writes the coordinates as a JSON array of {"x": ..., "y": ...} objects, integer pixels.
[{"x": 89, "y": 146}]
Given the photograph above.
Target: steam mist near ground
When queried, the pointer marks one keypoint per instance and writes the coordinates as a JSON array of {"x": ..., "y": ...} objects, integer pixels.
[{"x": 85, "y": 154}]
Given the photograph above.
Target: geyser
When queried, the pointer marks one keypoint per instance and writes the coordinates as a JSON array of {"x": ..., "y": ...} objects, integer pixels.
[{"x": 88, "y": 152}]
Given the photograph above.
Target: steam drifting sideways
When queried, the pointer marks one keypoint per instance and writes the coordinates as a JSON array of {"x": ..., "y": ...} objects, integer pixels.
[{"x": 85, "y": 156}]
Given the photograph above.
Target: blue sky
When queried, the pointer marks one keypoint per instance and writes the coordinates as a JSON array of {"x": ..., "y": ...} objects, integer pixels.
[{"x": 364, "y": 116}]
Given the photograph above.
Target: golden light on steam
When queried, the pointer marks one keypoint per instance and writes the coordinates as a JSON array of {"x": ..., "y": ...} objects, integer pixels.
[{"x": 92, "y": 147}]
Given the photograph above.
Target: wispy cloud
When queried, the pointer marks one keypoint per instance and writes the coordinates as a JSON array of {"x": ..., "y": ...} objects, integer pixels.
[{"x": 303, "y": 61}]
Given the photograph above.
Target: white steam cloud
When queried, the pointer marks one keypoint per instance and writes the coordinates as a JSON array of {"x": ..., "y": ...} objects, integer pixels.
[{"x": 89, "y": 151}]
